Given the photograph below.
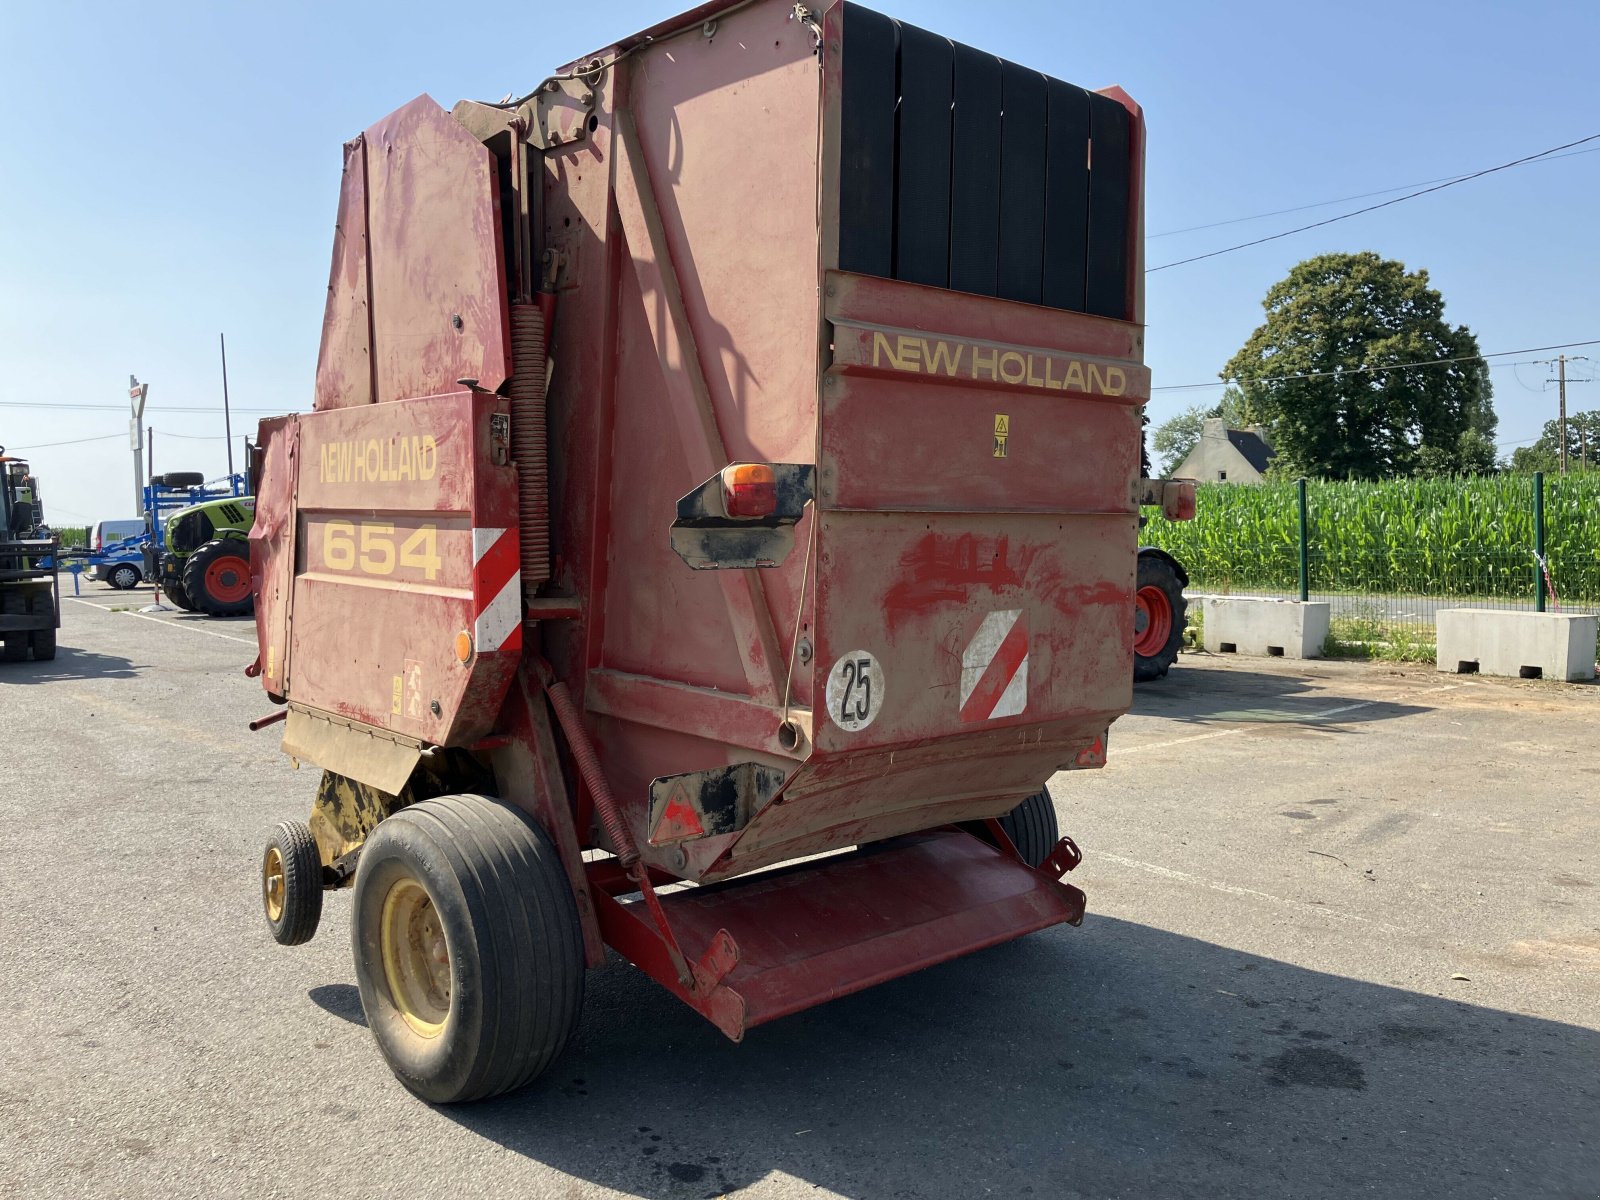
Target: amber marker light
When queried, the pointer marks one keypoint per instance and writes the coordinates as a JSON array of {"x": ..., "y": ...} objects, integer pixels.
[{"x": 749, "y": 490}]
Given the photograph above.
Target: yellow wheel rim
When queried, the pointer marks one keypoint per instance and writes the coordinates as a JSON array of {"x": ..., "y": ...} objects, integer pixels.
[
  {"x": 272, "y": 883},
  {"x": 416, "y": 958}
]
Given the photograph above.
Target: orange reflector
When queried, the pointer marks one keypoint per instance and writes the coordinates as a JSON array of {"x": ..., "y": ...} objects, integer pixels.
[
  {"x": 463, "y": 646},
  {"x": 749, "y": 490}
]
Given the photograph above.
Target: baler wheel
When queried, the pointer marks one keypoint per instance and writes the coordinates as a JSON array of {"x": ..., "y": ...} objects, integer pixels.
[
  {"x": 1032, "y": 827},
  {"x": 291, "y": 883},
  {"x": 217, "y": 578},
  {"x": 467, "y": 946},
  {"x": 1159, "y": 613}
]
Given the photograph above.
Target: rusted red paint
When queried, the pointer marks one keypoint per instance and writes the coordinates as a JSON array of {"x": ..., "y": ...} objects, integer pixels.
[{"x": 939, "y": 569}]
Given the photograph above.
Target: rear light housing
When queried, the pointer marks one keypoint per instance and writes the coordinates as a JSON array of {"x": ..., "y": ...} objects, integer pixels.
[
  {"x": 1177, "y": 500},
  {"x": 749, "y": 490}
]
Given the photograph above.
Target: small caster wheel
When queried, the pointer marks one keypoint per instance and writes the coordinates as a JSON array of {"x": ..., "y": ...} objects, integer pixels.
[{"x": 291, "y": 883}]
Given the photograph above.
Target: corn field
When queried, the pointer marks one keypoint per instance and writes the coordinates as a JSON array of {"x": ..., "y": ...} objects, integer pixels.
[{"x": 1447, "y": 538}]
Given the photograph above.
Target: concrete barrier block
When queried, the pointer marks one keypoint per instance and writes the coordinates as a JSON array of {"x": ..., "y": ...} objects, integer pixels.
[
  {"x": 1265, "y": 628},
  {"x": 1532, "y": 645}
]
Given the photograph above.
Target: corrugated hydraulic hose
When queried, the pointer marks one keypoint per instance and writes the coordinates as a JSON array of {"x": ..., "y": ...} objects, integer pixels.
[{"x": 530, "y": 448}]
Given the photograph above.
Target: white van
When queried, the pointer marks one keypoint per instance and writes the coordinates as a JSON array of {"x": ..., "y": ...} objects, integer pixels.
[{"x": 106, "y": 533}]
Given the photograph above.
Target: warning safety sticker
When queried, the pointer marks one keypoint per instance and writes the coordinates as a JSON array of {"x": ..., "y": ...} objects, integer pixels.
[{"x": 994, "y": 668}]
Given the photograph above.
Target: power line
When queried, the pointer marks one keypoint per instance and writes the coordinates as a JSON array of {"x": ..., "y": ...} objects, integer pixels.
[
  {"x": 1431, "y": 362},
  {"x": 1438, "y": 187},
  {"x": 123, "y": 408},
  {"x": 105, "y": 437},
  {"x": 1279, "y": 212}
]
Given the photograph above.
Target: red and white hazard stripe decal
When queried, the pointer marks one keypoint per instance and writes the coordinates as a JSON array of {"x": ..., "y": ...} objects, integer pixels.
[
  {"x": 496, "y": 590},
  {"x": 994, "y": 668}
]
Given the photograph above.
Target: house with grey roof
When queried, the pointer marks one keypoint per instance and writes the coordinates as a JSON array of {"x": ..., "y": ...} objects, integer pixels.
[{"x": 1224, "y": 455}]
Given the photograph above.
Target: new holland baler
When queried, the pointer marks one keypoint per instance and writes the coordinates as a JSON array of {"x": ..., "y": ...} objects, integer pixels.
[{"x": 716, "y": 523}]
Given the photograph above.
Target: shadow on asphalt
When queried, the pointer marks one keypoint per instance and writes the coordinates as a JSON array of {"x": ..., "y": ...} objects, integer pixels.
[
  {"x": 69, "y": 663},
  {"x": 343, "y": 1000},
  {"x": 1201, "y": 697},
  {"x": 1147, "y": 1064}
]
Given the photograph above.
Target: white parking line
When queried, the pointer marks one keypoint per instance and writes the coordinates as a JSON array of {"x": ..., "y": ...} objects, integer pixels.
[
  {"x": 1290, "y": 719},
  {"x": 1234, "y": 890},
  {"x": 185, "y": 625}
]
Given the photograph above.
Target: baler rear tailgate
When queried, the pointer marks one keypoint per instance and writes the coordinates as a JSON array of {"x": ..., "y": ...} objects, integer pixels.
[
  {"x": 976, "y": 473},
  {"x": 973, "y": 563}
]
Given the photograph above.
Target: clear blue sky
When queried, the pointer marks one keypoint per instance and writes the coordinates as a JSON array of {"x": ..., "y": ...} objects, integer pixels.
[{"x": 170, "y": 171}]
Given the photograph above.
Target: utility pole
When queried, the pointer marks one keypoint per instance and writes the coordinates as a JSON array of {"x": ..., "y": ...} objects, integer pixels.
[
  {"x": 1559, "y": 362},
  {"x": 227, "y": 421},
  {"x": 136, "y": 396}
]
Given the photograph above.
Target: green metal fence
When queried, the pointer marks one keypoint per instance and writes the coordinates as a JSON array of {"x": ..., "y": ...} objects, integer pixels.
[{"x": 1388, "y": 556}]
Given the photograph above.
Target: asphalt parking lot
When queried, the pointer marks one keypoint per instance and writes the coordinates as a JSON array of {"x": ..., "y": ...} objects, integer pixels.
[{"x": 1344, "y": 938}]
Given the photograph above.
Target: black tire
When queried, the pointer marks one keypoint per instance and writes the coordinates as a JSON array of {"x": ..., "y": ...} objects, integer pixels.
[
  {"x": 291, "y": 884},
  {"x": 14, "y": 648},
  {"x": 1158, "y": 583},
  {"x": 43, "y": 642},
  {"x": 1032, "y": 827},
  {"x": 124, "y": 577},
  {"x": 214, "y": 575},
  {"x": 179, "y": 479},
  {"x": 176, "y": 593},
  {"x": 483, "y": 981}
]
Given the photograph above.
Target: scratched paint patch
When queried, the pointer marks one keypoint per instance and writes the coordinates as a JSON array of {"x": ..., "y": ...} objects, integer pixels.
[
  {"x": 994, "y": 667},
  {"x": 855, "y": 691}
]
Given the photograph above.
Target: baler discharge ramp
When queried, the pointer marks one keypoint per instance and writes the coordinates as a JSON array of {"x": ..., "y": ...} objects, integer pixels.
[
  {"x": 788, "y": 939},
  {"x": 716, "y": 524}
]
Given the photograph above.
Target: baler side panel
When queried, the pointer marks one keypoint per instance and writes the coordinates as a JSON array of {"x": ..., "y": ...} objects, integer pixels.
[
  {"x": 707, "y": 327},
  {"x": 407, "y": 538},
  {"x": 675, "y": 352},
  {"x": 344, "y": 362},
  {"x": 272, "y": 548},
  {"x": 438, "y": 283}
]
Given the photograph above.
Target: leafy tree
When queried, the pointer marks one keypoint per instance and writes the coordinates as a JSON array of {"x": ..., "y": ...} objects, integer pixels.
[
  {"x": 1177, "y": 435},
  {"x": 1307, "y": 373},
  {"x": 1545, "y": 454}
]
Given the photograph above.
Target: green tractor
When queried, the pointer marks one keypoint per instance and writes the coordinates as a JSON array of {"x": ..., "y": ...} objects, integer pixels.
[
  {"x": 30, "y": 608},
  {"x": 204, "y": 558}
]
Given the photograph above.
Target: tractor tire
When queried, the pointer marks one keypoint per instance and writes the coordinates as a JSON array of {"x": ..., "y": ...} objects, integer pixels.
[
  {"x": 1032, "y": 827},
  {"x": 1159, "y": 613},
  {"x": 217, "y": 578},
  {"x": 14, "y": 648},
  {"x": 124, "y": 577},
  {"x": 291, "y": 884},
  {"x": 179, "y": 479},
  {"x": 468, "y": 951},
  {"x": 176, "y": 593}
]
